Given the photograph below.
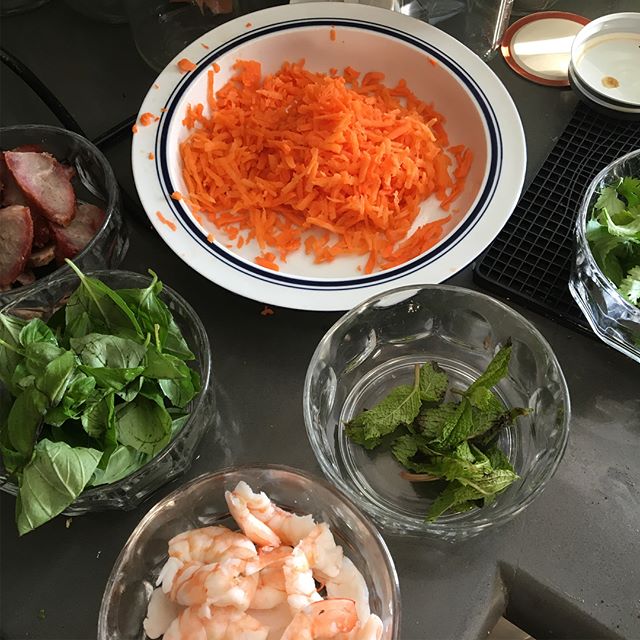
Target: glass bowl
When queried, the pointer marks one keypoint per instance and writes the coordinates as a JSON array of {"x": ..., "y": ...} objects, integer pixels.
[
  {"x": 613, "y": 319},
  {"x": 94, "y": 182},
  {"x": 42, "y": 300},
  {"x": 201, "y": 503},
  {"x": 375, "y": 348}
]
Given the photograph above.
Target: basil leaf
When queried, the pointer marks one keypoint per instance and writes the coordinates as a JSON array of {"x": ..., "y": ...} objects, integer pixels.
[
  {"x": 181, "y": 391},
  {"x": 55, "y": 378},
  {"x": 99, "y": 416},
  {"x": 51, "y": 481},
  {"x": 143, "y": 425},
  {"x": 10, "y": 346},
  {"x": 108, "y": 378},
  {"x": 106, "y": 310},
  {"x": 39, "y": 354},
  {"x": 24, "y": 421},
  {"x": 36, "y": 331},
  {"x": 113, "y": 352},
  {"x": 123, "y": 461},
  {"x": 164, "y": 365},
  {"x": 177, "y": 424},
  {"x": 131, "y": 390}
]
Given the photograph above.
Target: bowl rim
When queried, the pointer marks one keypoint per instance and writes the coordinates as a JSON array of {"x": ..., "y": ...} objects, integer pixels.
[
  {"x": 9, "y": 486},
  {"x": 407, "y": 525},
  {"x": 203, "y": 478},
  {"x": 580, "y": 237},
  {"x": 112, "y": 202}
]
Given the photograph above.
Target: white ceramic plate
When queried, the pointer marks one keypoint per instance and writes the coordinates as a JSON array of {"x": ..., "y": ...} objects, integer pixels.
[{"x": 478, "y": 109}]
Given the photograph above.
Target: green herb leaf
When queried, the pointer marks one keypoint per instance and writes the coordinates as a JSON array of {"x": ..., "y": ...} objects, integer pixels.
[
  {"x": 116, "y": 379},
  {"x": 629, "y": 188},
  {"x": 496, "y": 370},
  {"x": 53, "y": 479},
  {"x": 630, "y": 286},
  {"x": 10, "y": 346},
  {"x": 431, "y": 421},
  {"x": 609, "y": 200},
  {"x": 55, "y": 378},
  {"x": 99, "y": 416},
  {"x": 403, "y": 449},
  {"x": 112, "y": 352},
  {"x": 143, "y": 425},
  {"x": 401, "y": 406},
  {"x": 164, "y": 365},
  {"x": 629, "y": 230},
  {"x": 39, "y": 354},
  {"x": 457, "y": 428},
  {"x": 36, "y": 331},
  {"x": 181, "y": 391},
  {"x": 24, "y": 421},
  {"x": 433, "y": 382},
  {"x": 498, "y": 459},
  {"x": 122, "y": 462},
  {"x": 106, "y": 310}
]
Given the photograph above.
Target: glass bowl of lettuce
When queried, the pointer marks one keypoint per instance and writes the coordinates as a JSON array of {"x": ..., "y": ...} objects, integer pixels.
[
  {"x": 105, "y": 393},
  {"x": 605, "y": 278}
]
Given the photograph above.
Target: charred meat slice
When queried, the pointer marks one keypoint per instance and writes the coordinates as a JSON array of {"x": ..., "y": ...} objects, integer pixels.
[
  {"x": 71, "y": 240},
  {"x": 16, "y": 238},
  {"x": 45, "y": 182}
]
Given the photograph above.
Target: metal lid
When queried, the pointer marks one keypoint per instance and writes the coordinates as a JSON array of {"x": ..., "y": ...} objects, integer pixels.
[{"x": 538, "y": 46}]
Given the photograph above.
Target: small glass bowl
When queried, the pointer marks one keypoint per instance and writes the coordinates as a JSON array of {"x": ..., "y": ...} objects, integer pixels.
[
  {"x": 201, "y": 503},
  {"x": 375, "y": 347},
  {"x": 94, "y": 183},
  {"x": 42, "y": 300},
  {"x": 613, "y": 319}
]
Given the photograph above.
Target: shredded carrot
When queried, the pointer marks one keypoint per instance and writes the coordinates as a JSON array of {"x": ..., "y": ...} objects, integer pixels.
[
  {"x": 152, "y": 155},
  {"x": 432, "y": 62},
  {"x": 330, "y": 165},
  {"x": 211, "y": 99},
  {"x": 248, "y": 25},
  {"x": 216, "y": 67},
  {"x": 267, "y": 311},
  {"x": 134, "y": 128},
  {"x": 186, "y": 65},
  {"x": 163, "y": 110},
  {"x": 147, "y": 118},
  {"x": 332, "y": 34},
  {"x": 156, "y": 86},
  {"x": 162, "y": 219},
  {"x": 210, "y": 238},
  {"x": 205, "y": 46},
  {"x": 176, "y": 195}
]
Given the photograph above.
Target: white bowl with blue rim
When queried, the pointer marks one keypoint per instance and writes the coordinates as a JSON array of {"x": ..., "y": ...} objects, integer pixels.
[{"x": 437, "y": 68}]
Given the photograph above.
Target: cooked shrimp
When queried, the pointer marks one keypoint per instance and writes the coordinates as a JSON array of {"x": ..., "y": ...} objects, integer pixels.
[
  {"x": 267, "y": 557},
  {"x": 251, "y": 508},
  {"x": 349, "y": 583},
  {"x": 271, "y": 589},
  {"x": 325, "y": 619},
  {"x": 211, "y": 544},
  {"x": 325, "y": 557},
  {"x": 161, "y": 612},
  {"x": 276, "y": 619},
  {"x": 299, "y": 582},
  {"x": 206, "y": 622},
  {"x": 221, "y": 583},
  {"x": 371, "y": 630}
]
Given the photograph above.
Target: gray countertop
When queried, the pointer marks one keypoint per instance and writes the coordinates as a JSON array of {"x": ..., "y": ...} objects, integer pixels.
[{"x": 568, "y": 567}]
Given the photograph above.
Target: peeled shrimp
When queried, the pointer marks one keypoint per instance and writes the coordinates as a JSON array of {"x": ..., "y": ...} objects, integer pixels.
[
  {"x": 371, "y": 630},
  {"x": 221, "y": 583},
  {"x": 299, "y": 582},
  {"x": 271, "y": 589},
  {"x": 326, "y": 619},
  {"x": 262, "y": 521},
  {"x": 160, "y": 614},
  {"x": 211, "y": 544},
  {"x": 325, "y": 557},
  {"x": 215, "y": 623},
  {"x": 267, "y": 557},
  {"x": 276, "y": 619},
  {"x": 349, "y": 583}
]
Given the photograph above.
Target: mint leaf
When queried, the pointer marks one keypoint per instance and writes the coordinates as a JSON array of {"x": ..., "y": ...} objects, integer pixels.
[
  {"x": 431, "y": 421},
  {"x": 495, "y": 371},
  {"x": 458, "y": 426},
  {"x": 403, "y": 449},
  {"x": 401, "y": 406},
  {"x": 498, "y": 459},
  {"x": 53, "y": 479},
  {"x": 433, "y": 382}
]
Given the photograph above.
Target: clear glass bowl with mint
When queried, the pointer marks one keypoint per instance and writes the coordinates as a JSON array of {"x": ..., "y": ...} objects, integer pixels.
[
  {"x": 605, "y": 275},
  {"x": 121, "y": 403},
  {"x": 479, "y": 416}
]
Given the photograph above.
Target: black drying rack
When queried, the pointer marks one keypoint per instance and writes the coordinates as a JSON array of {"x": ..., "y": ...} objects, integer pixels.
[{"x": 530, "y": 259}]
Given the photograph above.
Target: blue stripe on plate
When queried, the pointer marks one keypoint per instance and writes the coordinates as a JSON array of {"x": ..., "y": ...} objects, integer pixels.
[{"x": 189, "y": 225}]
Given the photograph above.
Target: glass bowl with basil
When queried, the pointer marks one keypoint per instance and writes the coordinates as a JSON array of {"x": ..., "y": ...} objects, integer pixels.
[
  {"x": 105, "y": 393},
  {"x": 439, "y": 410},
  {"x": 605, "y": 275}
]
